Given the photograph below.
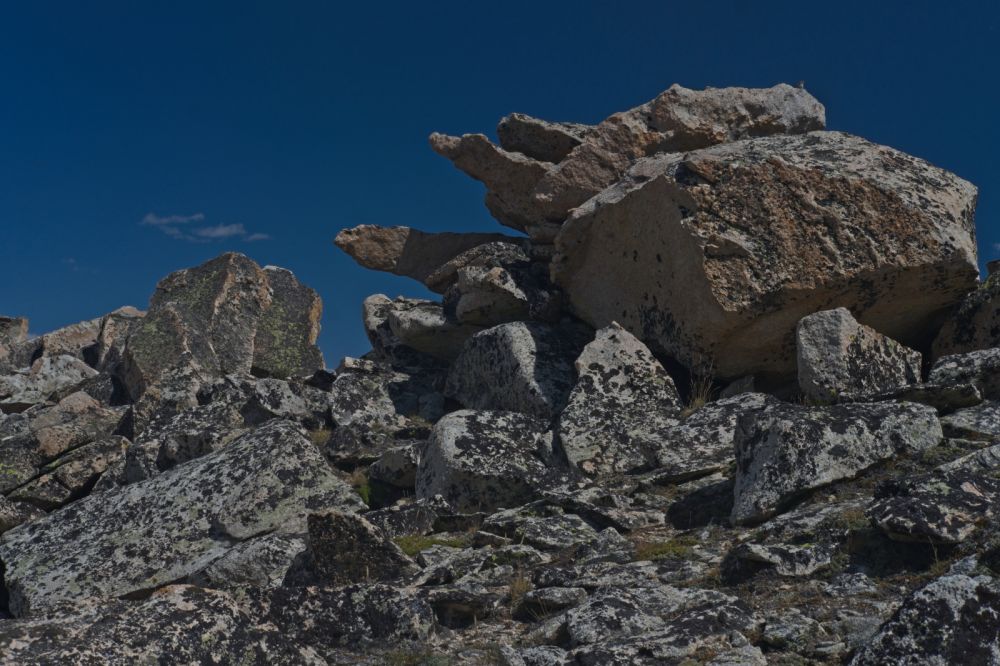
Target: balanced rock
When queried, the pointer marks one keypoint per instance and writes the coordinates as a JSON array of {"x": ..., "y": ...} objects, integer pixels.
[
  {"x": 481, "y": 460},
  {"x": 521, "y": 366},
  {"x": 976, "y": 323},
  {"x": 714, "y": 256},
  {"x": 840, "y": 359},
  {"x": 150, "y": 533},
  {"x": 786, "y": 450},
  {"x": 408, "y": 252},
  {"x": 621, "y": 407}
]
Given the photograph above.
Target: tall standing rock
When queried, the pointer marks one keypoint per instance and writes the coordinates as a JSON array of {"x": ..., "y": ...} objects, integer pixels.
[
  {"x": 839, "y": 359},
  {"x": 227, "y": 316},
  {"x": 715, "y": 255}
]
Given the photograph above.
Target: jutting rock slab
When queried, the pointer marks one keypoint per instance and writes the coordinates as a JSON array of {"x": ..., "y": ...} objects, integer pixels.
[
  {"x": 154, "y": 532},
  {"x": 786, "y": 450},
  {"x": 713, "y": 256},
  {"x": 839, "y": 359}
]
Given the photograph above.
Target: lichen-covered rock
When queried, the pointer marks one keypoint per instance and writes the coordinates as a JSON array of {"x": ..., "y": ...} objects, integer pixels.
[
  {"x": 386, "y": 346},
  {"x": 408, "y": 252},
  {"x": 226, "y": 316},
  {"x": 981, "y": 422},
  {"x": 954, "y": 619},
  {"x": 981, "y": 368},
  {"x": 261, "y": 562},
  {"x": 345, "y": 548},
  {"x": 176, "y": 624},
  {"x": 481, "y": 460},
  {"x": 422, "y": 325},
  {"x": 397, "y": 466},
  {"x": 715, "y": 255},
  {"x": 942, "y": 508},
  {"x": 13, "y": 514},
  {"x": 46, "y": 375},
  {"x": 976, "y": 323},
  {"x": 499, "y": 254},
  {"x": 787, "y": 450},
  {"x": 522, "y": 366},
  {"x": 840, "y": 359},
  {"x": 945, "y": 398},
  {"x": 153, "y": 532},
  {"x": 621, "y": 407},
  {"x": 702, "y": 442}
]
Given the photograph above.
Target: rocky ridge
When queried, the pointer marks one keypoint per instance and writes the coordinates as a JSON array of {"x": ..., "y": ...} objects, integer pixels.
[{"x": 730, "y": 396}]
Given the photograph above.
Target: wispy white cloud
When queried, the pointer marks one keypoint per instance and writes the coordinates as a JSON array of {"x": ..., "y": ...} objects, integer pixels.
[
  {"x": 185, "y": 227},
  {"x": 221, "y": 231},
  {"x": 154, "y": 220}
]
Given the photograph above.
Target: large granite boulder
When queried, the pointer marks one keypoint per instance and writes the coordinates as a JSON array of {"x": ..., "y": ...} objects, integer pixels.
[
  {"x": 150, "y": 533},
  {"x": 787, "y": 450},
  {"x": 976, "y": 323},
  {"x": 713, "y": 256},
  {"x": 621, "y": 407},
  {"x": 408, "y": 252},
  {"x": 227, "y": 316},
  {"x": 840, "y": 359},
  {"x": 481, "y": 461},
  {"x": 521, "y": 366}
]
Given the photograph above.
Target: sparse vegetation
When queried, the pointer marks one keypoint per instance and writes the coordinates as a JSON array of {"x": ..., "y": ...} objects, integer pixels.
[
  {"x": 412, "y": 545},
  {"x": 679, "y": 548}
]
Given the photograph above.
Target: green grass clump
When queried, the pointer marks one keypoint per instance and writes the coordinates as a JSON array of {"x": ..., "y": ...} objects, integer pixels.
[
  {"x": 680, "y": 548},
  {"x": 412, "y": 545}
]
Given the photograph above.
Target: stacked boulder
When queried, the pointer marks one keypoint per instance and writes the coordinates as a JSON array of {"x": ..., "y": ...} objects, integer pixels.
[{"x": 542, "y": 466}]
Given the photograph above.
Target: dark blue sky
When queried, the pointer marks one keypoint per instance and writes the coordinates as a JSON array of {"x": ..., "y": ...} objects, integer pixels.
[{"x": 295, "y": 119}]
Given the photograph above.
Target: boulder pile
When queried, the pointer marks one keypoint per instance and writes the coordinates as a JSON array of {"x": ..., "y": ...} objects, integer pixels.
[{"x": 729, "y": 393}]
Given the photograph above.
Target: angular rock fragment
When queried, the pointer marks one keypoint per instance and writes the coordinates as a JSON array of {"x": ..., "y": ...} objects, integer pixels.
[
  {"x": 46, "y": 375},
  {"x": 945, "y": 398},
  {"x": 486, "y": 460},
  {"x": 702, "y": 442},
  {"x": 981, "y": 368},
  {"x": 153, "y": 532},
  {"x": 375, "y": 311},
  {"x": 13, "y": 514},
  {"x": 13, "y": 334},
  {"x": 787, "y": 450},
  {"x": 620, "y": 409},
  {"x": 715, "y": 255},
  {"x": 976, "y": 323},
  {"x": 506, "y": 254},
  {"x": 423, "y": 326},
  {"x": 981, "y": 422},
  {"x": 954, "y": 619},
  {"x": 840, "y": 359},
  {"x": 408, "y": 252},
  {"x": 521, "y": 366},
  {"x": 510, "y": 178}
]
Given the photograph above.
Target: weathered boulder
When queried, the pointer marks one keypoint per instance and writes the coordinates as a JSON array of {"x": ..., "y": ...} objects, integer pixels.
[
  {"x": 13, "y": 334},
  {"x": 943, "y": 508},
  {"x": 423, "y": 326},
  {"x": 227, "y": 316},
  {"x": 510, "y": 178},
  {"x": 481, "y": 460},
  {"x": 153, "y": 532},
  {"x": 981, "y": 422},
  {"x": 715, "y": 255},
  {"x": 787, "y": 450},
  {"x": 621, "y": 407},
  {"x": 981, "y": 368},
  {"x": 386, "y": 346},
  {"x": 678, "y": 120},
  {"x": 116, "y": 328},
  {"x": 408, "y": 252},
  {"x": 840, "y": 359},
  {"x": 176, "y": 624},
  {"x": 521, "y": 366},
  {"x": 702, "y": 442},
  {"x": 13, "y": 514},
  {"x": 954, "y": 619},
  {"x": 976, "y": 323},
  {"x": 72, "y": 475},
  {"x": 506, "y": 254}
]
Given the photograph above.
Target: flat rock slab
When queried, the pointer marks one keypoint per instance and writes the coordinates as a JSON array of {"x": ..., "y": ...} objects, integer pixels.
[
  {"x": 787, "y": 450},
  {"x": 981, "y": 422},
  {"x": 153, "y": 532},
  {"x": 840, "y": 359},
  {"x": 981, "y": 368}
]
